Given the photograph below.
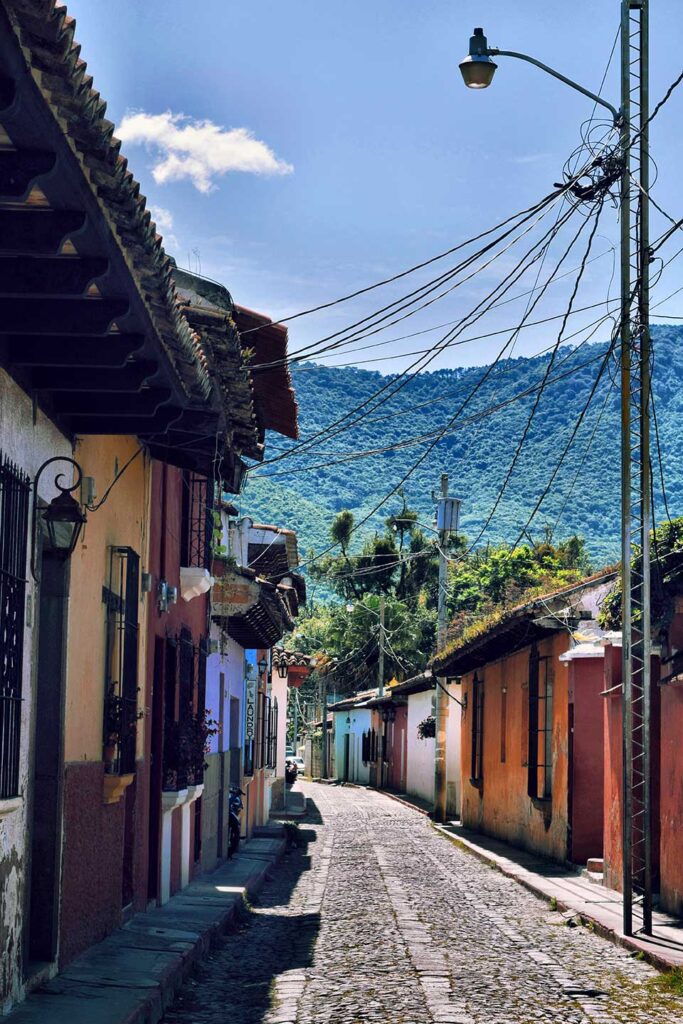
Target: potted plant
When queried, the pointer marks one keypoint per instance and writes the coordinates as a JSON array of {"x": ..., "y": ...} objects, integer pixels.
[
  {"x": 427, "y": 728},
  {"x": 120, "y": 716}
]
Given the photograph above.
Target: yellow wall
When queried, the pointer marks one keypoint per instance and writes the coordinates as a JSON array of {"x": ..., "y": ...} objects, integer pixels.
[{"x": 122, "y": 520}]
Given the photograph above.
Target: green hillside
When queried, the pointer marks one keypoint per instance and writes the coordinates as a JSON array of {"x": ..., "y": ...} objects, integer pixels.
[{"x": 307, "y": 490}]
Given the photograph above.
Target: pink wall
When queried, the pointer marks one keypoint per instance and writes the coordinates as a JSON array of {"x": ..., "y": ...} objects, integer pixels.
[
  {"x": 397, "y": 749},
  {"x": 586, "y": 681}
]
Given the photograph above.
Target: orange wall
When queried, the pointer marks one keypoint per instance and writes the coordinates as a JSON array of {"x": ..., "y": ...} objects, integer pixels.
[
  {"x": 501, "y": 807},
  {"x": 122, "y": 520}
]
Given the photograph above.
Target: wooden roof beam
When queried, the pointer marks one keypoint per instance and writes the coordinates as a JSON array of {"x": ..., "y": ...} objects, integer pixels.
[
  {"x": 19, "y": 168},
  {"x": 45, "y": 350},
  {"x": 126, "y": 379},
  {"x": 38, "y": 315},
  {"x": 49, "y": 275},
  {"x": 37, "y": 230}
]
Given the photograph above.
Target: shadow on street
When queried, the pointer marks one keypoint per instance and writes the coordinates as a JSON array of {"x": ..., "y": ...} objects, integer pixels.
[{"x": 234, "y": 982}]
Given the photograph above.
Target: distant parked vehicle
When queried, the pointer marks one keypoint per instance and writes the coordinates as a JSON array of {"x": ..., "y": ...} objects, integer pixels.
[{"x": 300, "y": 765}]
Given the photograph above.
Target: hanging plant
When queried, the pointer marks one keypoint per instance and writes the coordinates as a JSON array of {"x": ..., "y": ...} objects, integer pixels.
[{"x": 426, "y": 729}]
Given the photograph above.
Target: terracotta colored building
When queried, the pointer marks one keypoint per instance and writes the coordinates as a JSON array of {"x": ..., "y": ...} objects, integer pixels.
[{"x": 527, "y": 777}]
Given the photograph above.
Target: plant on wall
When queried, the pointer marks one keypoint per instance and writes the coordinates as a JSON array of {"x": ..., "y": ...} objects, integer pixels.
[{"x": 426, "y": 729}]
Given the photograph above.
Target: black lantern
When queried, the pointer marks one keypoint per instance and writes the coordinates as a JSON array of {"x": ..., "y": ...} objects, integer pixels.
[
  {"x": 262, "y": 666},
  {"x": 63, "y": 517},
  {"x": 282, "y": 667}
]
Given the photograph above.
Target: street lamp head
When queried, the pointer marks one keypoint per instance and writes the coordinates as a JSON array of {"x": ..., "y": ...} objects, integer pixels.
[{"x": 478, "y": 69}]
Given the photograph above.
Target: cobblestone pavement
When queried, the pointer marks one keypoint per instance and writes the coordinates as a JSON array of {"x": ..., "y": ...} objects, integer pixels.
[{"x": 378, "y": 918}]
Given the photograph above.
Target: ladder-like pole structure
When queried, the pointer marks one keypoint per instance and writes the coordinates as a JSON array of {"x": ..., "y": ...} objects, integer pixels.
[{"x": 636, "y": 507}]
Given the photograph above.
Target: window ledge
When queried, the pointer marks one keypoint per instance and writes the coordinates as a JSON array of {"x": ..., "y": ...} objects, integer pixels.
[
  {"x": 115, "y": 786},
  {"x": 10, "y": 805}
]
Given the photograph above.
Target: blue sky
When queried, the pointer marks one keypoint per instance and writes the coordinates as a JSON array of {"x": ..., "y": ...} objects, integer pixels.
[{"x": 364, "y": 153}]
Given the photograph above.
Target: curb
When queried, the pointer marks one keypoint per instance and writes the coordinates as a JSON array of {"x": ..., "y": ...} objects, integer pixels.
[
  {"x": 133, "y": 975},
  {"x": 603, "y": 930}
]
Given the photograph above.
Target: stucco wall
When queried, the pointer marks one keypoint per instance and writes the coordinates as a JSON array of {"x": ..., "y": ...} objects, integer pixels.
[
  {"x": 420, "y": 773},
  {"x": 121, "y": 520},
  {"x": 500, "y": 805},
  {"x": 28, "y": 444},
  {"x": 586, "y": 682}
]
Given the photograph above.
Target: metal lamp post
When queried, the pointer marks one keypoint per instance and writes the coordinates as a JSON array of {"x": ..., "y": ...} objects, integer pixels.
[{"x": 478, "y": 70}]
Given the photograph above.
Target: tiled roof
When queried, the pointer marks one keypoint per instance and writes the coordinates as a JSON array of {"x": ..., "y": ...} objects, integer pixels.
[{"x": 46, "y": 33}]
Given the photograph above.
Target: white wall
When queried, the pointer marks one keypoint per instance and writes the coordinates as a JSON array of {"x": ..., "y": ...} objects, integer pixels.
[
  {"x": 28, "y": 444},
  {"x": 231, "y": 664},
  {"x": 358, "y": 724},
  {"x": 420, "y": 773},
  {"x": 453, "y": 767}
]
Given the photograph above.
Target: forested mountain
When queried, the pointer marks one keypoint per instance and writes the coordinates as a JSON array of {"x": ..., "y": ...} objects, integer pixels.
[{"x": 306, "y": 490}]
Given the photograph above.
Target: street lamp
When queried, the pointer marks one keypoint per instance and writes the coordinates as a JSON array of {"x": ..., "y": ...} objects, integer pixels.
[
  {"x": 632, "y": 120},
  {"x": 282, "y": 668},
  {"x": 262, "y": 665},
  {"x": 478, "y": 69},
  {"x": 64, "y": 518}
]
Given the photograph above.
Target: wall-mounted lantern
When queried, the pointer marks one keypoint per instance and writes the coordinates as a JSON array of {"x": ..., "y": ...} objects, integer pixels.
[
  {"x": 63, "y": 517},
  {"x": 282, "y": 668},
  {"x": 262, "y": 666}
]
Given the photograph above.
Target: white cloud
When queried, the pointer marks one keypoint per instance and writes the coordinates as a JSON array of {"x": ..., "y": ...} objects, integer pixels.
[
  {"x": 198, "y": 150},
  {"x": 164, "y": 221}
]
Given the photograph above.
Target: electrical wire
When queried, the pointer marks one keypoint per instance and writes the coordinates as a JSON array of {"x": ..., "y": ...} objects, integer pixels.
[
  {"x": 548, "y": 370},
  {"x": 404, "y": 273},
  {"x": 411, "y": 372}
]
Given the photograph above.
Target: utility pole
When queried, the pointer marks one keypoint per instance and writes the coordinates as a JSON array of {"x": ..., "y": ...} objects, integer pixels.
[
  {"x": 635, "y": 357},
  {"x": 380, "y": 662},
  {"x": 446, "y": 521}
]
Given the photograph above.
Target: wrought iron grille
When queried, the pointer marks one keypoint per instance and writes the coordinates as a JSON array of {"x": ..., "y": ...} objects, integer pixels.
[
  {"x": 197, "y": 521},
  {"x": 121, "y": 599},
  {"x": 14, "y": 504},
  {"x": 184, "y": 702},
  {"x": 540, "y": 760}
]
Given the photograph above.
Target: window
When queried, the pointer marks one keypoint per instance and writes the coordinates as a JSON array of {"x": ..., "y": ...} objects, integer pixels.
[
  {"x": 14, "y": 501},
  {"x": 197, "y": 521},
  {"x": 477, "y": 730},
  {"x": 121, "y": 599},
  {"x": 369, "y": 747},
  {"x": 185, "y": 733},
  {"x": 540, "y": 727},
  {"x": 271, "y": 745}
]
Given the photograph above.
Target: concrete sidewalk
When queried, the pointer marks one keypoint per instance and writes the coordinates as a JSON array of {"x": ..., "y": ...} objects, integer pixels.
[
  {"x": 133, "y": 975},
  {"x": 593, "y": 903}
]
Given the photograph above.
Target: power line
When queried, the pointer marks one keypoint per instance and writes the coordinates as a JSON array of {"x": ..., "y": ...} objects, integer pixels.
[
  {"x": 410, "y": 270},
  {"x": 551, "y": 362},
  {"x": 410, "y": 372}
]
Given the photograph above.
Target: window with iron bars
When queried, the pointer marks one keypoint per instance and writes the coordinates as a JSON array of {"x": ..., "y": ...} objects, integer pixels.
[
  {"x": 266, "y": 732},
  {"x": 369, "y": 747},
  {"x": 477, "y": 767},
  {"x": 196, "y": 521},
  {"x": 184, "y": 727},
  {"x": 540, "y": 786},
  {"x": 121, "y": 598},
  {"x": 15, "y": 488}
]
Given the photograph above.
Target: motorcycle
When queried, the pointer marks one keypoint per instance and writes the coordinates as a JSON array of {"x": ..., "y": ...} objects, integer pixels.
[
  {"x": 235, "y": 807},
  {"x": 290, "y": 772}
]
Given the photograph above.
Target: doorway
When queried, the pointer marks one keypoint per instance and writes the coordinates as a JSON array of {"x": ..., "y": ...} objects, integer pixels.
[{"x": 45, "y": 812}]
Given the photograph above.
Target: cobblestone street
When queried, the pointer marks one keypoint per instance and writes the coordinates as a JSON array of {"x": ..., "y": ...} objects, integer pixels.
[{"x": 378, "y": 918}]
